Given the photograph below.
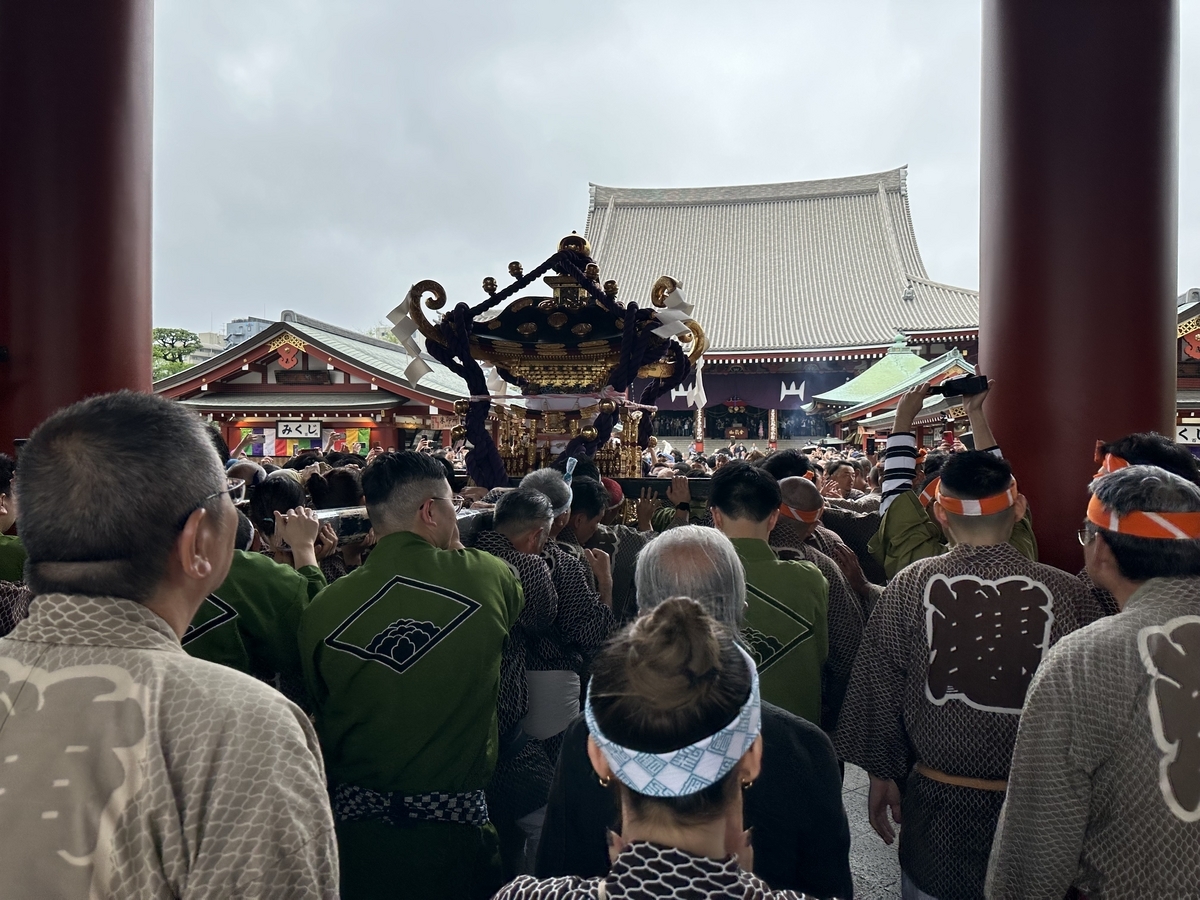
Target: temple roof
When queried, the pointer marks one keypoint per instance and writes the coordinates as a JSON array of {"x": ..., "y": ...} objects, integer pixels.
[{"x": 800, "y": 265}]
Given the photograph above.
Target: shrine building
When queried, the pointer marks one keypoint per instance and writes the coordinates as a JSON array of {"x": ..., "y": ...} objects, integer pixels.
[
  {"x": 299, "y": 381},
  {"x": 800, "y": 287}
]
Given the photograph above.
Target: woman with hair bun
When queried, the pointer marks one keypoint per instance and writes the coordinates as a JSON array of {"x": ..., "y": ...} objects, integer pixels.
[{"x": 674, "y": 715}]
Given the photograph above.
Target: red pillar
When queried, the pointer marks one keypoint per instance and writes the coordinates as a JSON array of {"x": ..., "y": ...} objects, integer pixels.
[
  {"x": 75, "y": 179},
  {"x": 1077, "y": 239}
]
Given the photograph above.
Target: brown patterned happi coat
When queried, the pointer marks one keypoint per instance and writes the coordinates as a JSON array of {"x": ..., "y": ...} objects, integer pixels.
[
  {"x": 1104, "y": 793},
  {"x": 940, "y": 679}
]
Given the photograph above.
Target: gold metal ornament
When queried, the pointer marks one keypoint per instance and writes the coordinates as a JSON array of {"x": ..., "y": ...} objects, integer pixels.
[
  {"x": 515, "y": 270},
  {"x": 589, "y": 432},
  {"x": 608, "y": 407},
  {"x": 459, "y": 432},
  {"x": 462, "y": 407}
]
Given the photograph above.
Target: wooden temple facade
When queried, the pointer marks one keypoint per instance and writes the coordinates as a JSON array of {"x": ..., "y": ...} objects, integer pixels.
[
  {"x": 801, "y": 287},
  {"x": 294, "y": 385}
]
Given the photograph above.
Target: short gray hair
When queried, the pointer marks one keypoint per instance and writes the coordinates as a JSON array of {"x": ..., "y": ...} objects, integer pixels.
[
  {"x": 1149, "y": 489},
  {"x": 696, "y": 562},
  {"x": 105, "y": 486},
  {"x": 550, "y": 482},
  {"x": 521, "y": 510}
]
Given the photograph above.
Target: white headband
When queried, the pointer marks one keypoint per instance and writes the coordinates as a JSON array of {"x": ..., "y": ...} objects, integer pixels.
[{"x": 689, "y": 770}]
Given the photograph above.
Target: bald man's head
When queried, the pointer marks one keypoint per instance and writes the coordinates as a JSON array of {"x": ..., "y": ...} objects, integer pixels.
[{"x": 802, "y": 494}]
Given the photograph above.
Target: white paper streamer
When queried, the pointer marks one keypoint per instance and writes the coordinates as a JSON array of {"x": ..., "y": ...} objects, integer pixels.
[
  {"x": 403, "y": 327},
  {"x": 696, "y": 396}
]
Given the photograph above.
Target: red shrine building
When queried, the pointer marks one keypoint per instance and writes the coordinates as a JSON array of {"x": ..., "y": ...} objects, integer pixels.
[
  {"x": 297, "y": 383},
  {"x": 800, "y": 287}
]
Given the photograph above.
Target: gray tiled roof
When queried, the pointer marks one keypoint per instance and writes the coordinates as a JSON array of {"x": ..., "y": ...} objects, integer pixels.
[{"x": 800, "y": 265}]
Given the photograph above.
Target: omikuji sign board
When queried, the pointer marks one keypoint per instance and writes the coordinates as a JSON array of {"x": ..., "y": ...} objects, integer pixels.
[{"x": 286, "y": 429}]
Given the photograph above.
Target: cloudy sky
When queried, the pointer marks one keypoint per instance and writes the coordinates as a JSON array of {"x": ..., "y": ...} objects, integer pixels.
[{"x": 322, "y": 156}]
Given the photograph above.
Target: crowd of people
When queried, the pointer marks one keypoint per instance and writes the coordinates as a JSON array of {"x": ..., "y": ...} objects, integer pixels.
[{"x": 341, "y": 676}]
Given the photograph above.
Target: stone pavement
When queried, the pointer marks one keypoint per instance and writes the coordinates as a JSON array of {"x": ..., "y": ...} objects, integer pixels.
[{"x": 874, "y": 865}]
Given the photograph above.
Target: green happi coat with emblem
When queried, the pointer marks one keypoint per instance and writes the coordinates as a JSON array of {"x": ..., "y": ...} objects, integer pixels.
[
  {"x": 402, "y": 659},
  {"x": 251, "y": 622},
  {"x": 785, "y": 626},
  {"x": 12, "y": 558}
]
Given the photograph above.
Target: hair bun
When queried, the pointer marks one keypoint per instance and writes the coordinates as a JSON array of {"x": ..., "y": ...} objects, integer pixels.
[{"x": 678, "y": 640}]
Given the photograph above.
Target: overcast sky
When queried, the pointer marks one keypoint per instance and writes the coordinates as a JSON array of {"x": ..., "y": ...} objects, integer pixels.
[{"x": 322, "y": 156}]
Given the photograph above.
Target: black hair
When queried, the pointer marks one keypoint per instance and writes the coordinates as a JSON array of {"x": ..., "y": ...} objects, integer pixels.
[
  {"x": 447, "y": 466},
  {"x": 935, "y": 460},
  {"x": 276, "y": 493},
  {"x": 833, "y": 465},
  {"x": 245, "y": 532},
  {"x": 338, "y": 458},
  {"x": 672, "y": 678},
  {"x": 218, "y": 443},
  {"x": 1149, "y": 489},
  {"x": 304, "y": 459},
  {"x": 390, "y": 472},
  {"x": 588, "y": 496},
  {"x": 7, "y": 468},
  {"x": 974, "y": 474},
  {"x": 785, "y": 464},
  {"x": 337, "y": 488},
  {"x": 1150, "y": 449},
  {"x": 742, "y": 491},
  {"x": 85, "y": 526}
]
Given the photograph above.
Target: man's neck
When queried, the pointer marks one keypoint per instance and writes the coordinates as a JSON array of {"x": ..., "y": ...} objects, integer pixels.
[
  {"x": 174, "y": 608},
  {"x": 746, "y": 528},
  {"x": 1122, "y": 589}
]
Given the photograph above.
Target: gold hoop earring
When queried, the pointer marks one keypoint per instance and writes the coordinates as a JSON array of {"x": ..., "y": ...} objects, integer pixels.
[
  {"x": 746, "y": 785},
  {"x": 605, "y": 782}
]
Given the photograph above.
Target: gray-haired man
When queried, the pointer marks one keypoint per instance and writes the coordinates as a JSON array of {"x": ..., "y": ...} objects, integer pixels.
[
  {"x": 801, "y": 837},
  {"x": 127, "y": 767},
  {"x": 1104, "y": 789}
]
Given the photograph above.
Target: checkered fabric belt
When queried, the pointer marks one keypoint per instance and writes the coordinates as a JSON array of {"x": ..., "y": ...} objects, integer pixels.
[{"x": 352, "y": 803}]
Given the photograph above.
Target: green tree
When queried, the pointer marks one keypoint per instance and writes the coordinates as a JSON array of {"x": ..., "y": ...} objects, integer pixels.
[
  {"x": 170, "y": 349},
  {"x": 383, "y": 332}
]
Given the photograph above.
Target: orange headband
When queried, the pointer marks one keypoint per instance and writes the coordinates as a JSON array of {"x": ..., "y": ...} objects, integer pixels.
[
  {"x": 800, "y": 515},
  {"x": 1109, "y": 464},
  {"x": 930, "y": 491},
  {"x": 988, "y": 506},
  {"x": 1171, "y": 526}
]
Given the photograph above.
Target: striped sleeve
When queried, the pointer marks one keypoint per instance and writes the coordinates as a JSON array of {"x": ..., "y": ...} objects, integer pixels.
[{"x": 899, "y": 467}]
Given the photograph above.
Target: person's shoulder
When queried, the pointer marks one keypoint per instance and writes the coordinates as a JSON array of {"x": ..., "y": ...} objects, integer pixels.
[
  {"x": 213, "y": 692},
  {"x": 780, "y": 727},
  {"x": 261, "y": 569},
  {"x": 482, "y": 562},
  {"x": 568, "y": 887}
]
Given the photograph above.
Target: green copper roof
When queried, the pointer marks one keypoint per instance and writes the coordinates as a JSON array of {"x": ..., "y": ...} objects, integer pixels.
[{"x": 899, "y": 364}]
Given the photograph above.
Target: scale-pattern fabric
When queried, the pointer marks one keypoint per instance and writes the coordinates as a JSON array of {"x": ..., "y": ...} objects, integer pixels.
[
  {"x": 582, "y": 623},
  {"x": 846, "y": 620},
  {"x": 352, "y": 803},
  {"x": 622, "y": 544},
  {"x": 535, "y": 620},
  {"x": 130, "y": 769},
  {"x": 1100, "y": 797},
  {"x": 15, "y": 598},
  {"x": 644, "y": 870},
  {"x": 905, "y": 704}
]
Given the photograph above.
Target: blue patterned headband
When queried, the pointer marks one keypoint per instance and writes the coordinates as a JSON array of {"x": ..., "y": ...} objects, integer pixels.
[{"x": 689, "y": 770}]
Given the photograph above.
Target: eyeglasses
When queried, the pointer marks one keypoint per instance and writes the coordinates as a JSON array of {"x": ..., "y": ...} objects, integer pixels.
[
  {"x": 234, "y": 487},
  {"x": 1086, "y": 534}
]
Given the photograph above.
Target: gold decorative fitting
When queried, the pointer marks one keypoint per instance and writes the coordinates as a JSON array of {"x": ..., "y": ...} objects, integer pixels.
[
  {"x": 663, "y": 286},
  {"x": 574, "y": 242},
  {"x": 557, "y": 320},
  {"x": 589, "y": 432},
  {"x": 518, "y": 305},
  {"x": 489, "y": 285},
  {"x": 462, "y": 407},
  {"x": 287, "y": 339},
  {"x": 610, "y": 288},
  {"x": 592, "y": 272},
  {"x": 494, "y": 324},
  {"x": 515, "y": 270},
  {"x": 547, "y": 303},
  {"x": 527, "y": 327},
  {"x": 608, "y": 407},
  {"x": 459, "y": 432},
  {"x": 581, "y": 329}
]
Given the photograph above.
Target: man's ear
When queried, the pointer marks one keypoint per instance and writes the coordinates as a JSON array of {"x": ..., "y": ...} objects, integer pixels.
[
  {"x": 772, "y": 519},
  {"x": 194, "y": 545},
  {"x": 718, "y": 518},
  {"x": 599, "y": 763},
  {"x": 3, "y": 504},
  {"x": 939, "y": 514},
  {"x": 1020, "y": 508}
]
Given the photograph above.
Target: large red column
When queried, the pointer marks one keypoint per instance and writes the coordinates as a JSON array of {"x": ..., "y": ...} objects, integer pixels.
[
  {"x": 1077, "y": 239},
  {"x": 75, "y": 180}
]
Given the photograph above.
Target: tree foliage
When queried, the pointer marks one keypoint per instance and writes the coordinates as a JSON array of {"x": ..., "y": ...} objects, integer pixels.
[{"x": 170, "y": 349}]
